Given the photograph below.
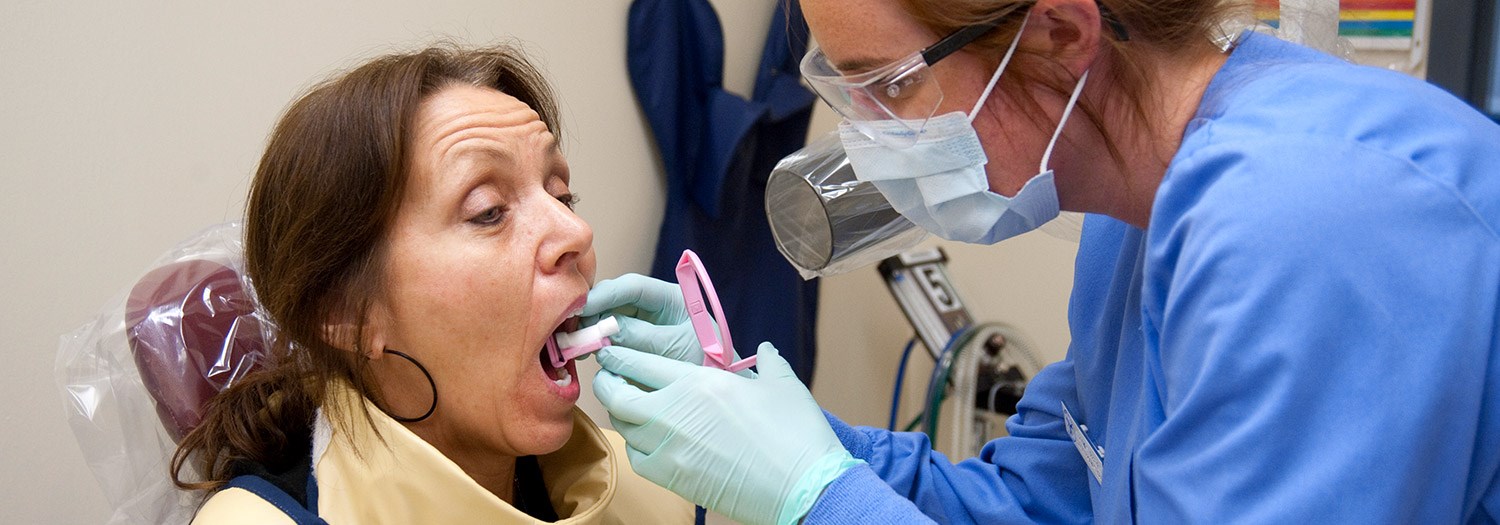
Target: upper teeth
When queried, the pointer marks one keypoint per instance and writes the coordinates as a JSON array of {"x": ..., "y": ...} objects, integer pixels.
[{"x": 576, "y": 313}]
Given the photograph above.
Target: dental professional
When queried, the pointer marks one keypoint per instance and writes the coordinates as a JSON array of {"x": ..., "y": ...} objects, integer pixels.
[{"x": 1285, "y": 300}]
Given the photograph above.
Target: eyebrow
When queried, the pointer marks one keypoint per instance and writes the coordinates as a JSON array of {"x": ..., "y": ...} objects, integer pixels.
[
  {"x": 946, "y": 45},
  {"x": 860, "y": 65},
  {"x": 560, "y": 167},
  {"x": 474, "y": 172},
  {"x": 472, "y": 169},
  {"x": 473, "y": 161}
]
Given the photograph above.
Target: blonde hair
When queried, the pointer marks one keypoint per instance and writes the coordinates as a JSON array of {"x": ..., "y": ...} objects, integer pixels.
[{"x": 1155, "y": 28}]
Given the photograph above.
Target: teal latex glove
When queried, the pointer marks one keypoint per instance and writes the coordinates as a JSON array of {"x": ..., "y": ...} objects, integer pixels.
[
  {"x": 651, "y": 315},
  {"x": 756, "y": 449}
]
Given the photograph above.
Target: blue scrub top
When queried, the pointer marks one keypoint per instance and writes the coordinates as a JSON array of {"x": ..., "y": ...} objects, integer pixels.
[{"x": 1307, "y": 331}]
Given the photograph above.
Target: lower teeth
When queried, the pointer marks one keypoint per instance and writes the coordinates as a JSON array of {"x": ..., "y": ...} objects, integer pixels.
[{"x": 565, "y": 380}]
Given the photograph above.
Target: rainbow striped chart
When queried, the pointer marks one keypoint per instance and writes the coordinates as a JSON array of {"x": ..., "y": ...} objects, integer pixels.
[{"x": 1368, "y": 24}]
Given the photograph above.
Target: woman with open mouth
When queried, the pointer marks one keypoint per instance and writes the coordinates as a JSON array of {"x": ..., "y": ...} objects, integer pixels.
[{"x": 410, "y": 231}]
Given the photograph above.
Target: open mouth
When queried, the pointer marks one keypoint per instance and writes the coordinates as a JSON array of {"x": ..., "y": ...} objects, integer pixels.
[{"x": 558, "y": 374}]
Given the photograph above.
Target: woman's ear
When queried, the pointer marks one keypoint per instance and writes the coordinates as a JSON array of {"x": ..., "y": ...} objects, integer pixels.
[
  {"x": 343, "y": 333},
  {"x": 1069, "y": 31}
]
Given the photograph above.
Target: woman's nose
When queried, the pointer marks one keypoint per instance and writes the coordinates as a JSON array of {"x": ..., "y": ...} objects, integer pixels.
[{"x": 567, "y": 239}]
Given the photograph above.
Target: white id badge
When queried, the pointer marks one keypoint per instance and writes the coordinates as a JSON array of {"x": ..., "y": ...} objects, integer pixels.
[{"x": 1092, "y": 456}]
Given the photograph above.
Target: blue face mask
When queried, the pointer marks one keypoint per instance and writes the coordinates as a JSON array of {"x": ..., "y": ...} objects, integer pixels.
[{"x": 939, "y": 182}]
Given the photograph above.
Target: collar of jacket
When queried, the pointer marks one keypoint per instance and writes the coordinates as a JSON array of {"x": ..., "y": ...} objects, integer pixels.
[{"x": 396, "y": 477}]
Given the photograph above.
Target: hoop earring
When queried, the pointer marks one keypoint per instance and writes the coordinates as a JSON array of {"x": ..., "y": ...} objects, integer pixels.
[{"x": 430, "y": 409}]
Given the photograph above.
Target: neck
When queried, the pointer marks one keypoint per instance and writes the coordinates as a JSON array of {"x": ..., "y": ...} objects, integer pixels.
[
  {"x": 1100, "y": 183},
  {"x": 494, "y": 472},
  {"x": 498, "y": 475}
]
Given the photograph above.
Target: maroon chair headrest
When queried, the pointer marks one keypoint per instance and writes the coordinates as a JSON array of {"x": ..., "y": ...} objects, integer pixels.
[{"x": 193, "y": 330}]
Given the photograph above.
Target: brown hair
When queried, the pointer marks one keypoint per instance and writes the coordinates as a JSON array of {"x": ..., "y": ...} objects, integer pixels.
[
  {"x": 1153, "y": 28},
  {"x": 327, "y": 188}
]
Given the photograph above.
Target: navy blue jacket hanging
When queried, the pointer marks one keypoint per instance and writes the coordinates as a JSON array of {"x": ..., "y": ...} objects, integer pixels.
[{"x": 717, "y": 149}]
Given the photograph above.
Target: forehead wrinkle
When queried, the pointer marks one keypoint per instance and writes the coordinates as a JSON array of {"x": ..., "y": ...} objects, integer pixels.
[
  {"x": 505, "y": 145},
  {"x": 454, "y": 109},
  {"x": 454, "y": 118},
  {"x": 513, "y": 149},
  {"x": 470, "y": 125}
]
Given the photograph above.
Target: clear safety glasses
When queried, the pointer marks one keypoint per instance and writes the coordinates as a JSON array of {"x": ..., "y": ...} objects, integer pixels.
[{"x": 904, "y": 92}]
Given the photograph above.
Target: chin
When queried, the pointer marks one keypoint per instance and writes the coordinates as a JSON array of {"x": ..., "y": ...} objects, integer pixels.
[{"x": 549, "y": 435}]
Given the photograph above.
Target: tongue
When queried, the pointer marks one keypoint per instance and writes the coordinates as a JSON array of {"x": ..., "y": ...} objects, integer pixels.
[{"x": 546, "y": 360}]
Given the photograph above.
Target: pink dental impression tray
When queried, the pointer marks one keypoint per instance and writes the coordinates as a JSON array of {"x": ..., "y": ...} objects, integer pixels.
[
  {"x": 584, "y": 341},
  {"x": 562, "y": 348},
  {"x": 690, "y": 273}
]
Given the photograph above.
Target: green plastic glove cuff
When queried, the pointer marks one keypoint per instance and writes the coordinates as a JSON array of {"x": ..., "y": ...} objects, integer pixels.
[{"x": 807, "y": 490}]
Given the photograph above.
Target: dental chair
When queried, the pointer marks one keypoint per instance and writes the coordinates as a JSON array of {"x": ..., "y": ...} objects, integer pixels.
[
  {"x": 192, "y": 330},
  {"x": 138, "y": 377}
]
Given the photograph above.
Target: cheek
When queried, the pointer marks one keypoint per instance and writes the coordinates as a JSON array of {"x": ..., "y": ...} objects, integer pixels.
[
  {"x": 1014, "y": 155},
  {"x": 471, "y": 311},
  {"x": 475, "y": 323},
  {"x": 475, "y": 309},
  {"x": 588, "y": 265},
  {"x": 961, "y": 77}
]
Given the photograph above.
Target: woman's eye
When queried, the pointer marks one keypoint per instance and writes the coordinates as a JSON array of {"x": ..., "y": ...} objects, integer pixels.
[
  {"x": 569, "y": 199},
  {"x": 489, "y": 217}
]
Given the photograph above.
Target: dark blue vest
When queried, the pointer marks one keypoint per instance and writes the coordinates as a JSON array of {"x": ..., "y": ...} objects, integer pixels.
[{"x": 717, "y": 149}]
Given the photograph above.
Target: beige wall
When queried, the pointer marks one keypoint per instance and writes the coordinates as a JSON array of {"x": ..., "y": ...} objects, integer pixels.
[{"x": 124, "y": 128}]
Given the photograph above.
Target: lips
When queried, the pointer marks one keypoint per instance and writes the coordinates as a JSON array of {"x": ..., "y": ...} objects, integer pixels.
[
  {"x": 556, "y": 374},
  {"x": 562, "y": 377},
  {"x": 559, "y": 381}
]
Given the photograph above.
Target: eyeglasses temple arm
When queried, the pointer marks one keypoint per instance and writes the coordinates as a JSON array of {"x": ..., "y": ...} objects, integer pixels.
[
  {"x": 958, "y": 39},
  {"x": 963, "y": 37}
]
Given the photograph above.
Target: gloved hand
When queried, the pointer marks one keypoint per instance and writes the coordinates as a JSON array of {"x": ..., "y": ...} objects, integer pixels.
[
  {"x": 651, "y": 314},
  {"x": 755, "y": 449}
]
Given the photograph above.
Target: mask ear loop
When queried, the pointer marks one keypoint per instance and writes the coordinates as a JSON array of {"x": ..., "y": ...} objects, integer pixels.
[
  {"x": 1003, "y": 62},
  {"x": 1067, "y": 110}
]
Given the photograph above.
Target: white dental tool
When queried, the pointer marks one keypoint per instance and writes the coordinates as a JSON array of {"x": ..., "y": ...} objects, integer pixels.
[{"x": 563, "y": 347}]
